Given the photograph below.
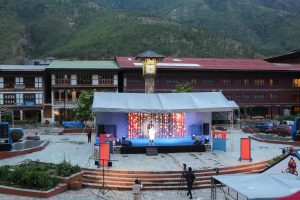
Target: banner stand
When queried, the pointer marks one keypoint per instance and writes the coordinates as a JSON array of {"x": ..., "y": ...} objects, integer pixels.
[{"x": 245, "y": 149}]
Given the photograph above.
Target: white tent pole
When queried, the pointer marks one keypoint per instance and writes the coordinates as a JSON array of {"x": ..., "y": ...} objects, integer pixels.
[{"x": 231, "y": 127}]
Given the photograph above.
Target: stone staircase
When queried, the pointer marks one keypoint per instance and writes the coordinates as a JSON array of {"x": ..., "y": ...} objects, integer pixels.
[{"x": 160, "y": 180}]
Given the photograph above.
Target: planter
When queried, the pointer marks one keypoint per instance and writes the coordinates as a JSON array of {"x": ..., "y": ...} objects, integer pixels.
[
  {"x": 75, "y": 185},
  {"x": 33, "y": 193}
]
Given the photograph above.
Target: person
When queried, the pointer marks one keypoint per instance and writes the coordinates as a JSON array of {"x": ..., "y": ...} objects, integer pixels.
[
  {"x": 89, "y": 135},
  {"x": 292, "y": 166},
  {"x": 136, "y": 189},
  {"x": 151, "y": 131},
  {"x": 190, "y": 178}
]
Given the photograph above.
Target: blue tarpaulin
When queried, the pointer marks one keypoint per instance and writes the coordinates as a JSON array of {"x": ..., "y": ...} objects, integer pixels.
[{"x": 73, "y": 124}]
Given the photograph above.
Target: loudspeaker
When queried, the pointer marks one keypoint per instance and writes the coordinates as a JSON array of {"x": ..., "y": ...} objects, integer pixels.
[
  {"x": 97, "y": 162},
  {"x": 100, "y": 129},
  {"x": 205, "y": 128},
  {"x": 109, "y": 164}
]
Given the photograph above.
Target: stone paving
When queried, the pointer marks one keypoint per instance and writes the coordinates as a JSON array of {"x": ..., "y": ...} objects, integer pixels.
[{"x": 75, "y": 149}]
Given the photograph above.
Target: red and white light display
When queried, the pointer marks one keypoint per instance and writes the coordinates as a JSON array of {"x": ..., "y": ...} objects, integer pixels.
[{"x": 167, "y": 125}]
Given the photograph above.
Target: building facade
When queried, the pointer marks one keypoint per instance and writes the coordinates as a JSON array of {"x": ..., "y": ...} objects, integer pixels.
[
  {"x": 70, "y": 78},
  {"x": 267, "y": 88},
  {"x": 22, "y": 92},
  {"x": 260, "y": 88}
]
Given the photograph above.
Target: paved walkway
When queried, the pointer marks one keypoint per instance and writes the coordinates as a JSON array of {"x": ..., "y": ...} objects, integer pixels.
[{"x": 75, "y": 149}]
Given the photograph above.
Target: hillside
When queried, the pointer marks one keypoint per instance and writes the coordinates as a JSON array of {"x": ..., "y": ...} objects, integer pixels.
[
  {"x": 89, "y": 30},
  {"x": 271, "y": 26}
]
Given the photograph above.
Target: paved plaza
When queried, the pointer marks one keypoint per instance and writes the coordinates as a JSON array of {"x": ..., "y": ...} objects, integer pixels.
[{"x": 75, "y": 149}]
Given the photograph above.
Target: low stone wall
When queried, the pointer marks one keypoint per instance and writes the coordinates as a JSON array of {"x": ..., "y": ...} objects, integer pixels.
[
  {"x": 34, "y": 193},
  {"x": 68, "y": 180},
  {"x": 293, "y": 143},
  {"x": 30, "y": 147}
]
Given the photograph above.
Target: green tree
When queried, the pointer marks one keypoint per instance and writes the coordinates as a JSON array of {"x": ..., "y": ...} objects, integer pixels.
[
  {"x": 83, "y": 108},
  {"x": 183, "y": 87}
]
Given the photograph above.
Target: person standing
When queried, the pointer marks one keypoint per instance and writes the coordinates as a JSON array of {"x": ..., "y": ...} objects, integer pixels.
[
  {"x": 89, "y": 135},
  {"x": 190, "y": 178},
  {"x": 151, "y": 132},
  {"x": 136, "y": 189}
]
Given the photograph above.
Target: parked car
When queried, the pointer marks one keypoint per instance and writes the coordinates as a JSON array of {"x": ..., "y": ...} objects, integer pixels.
[
  {"x": 281, "y": 129},
  {"x": 250, "y": 130},
  {"x": 266, "y": 125}
]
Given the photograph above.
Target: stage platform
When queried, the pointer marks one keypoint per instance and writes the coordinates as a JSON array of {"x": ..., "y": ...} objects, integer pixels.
[
  {"x": 163, "y": 145},
  {"x": 144, "y": 142}
]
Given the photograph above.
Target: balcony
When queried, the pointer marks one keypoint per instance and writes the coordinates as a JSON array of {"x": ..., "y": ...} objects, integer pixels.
[
  {"x": 62, "y": 81},
  {"x": 22, "y": 87},
  {"x": 68, "y": 103}
]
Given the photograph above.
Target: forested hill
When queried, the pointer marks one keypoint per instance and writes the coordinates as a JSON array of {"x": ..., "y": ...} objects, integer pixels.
[
  {"x": 271, "y": 26},
  {"x": 90, "y": 29}
]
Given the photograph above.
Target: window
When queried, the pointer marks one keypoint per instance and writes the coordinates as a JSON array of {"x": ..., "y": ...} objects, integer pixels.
[
  {"x": 273, "y": 82},
  {"x": 29, "y": 82},
  {"x": 39, "y": 98},
  {"x": 259, "y": 96},
  {"x": 106, "y": 79},
  {"x": 296, "y": 97},
  {"x": 62, "y": 79},
  {"x": 246, "y": 96},
  {"x": 273, "y": 97},
  {"x": 38, "y": 82},
  {"x": 259, "y": 82},
  {"x": 29, "y": 99},
  {"x": 238, "y": 96},
  {"x": 172, "y": 81},
  {"x": 238, "y": 82},
  {"x": 296, "y": 82},
  {"x": 9, "y": 82},
  {"x": 246, "y": 81},
  {"x": 133, "y": 81},
  {"x": 208, "y": 82},
  {"x": 9, "y": 99},
  {"x": 84, "y": 79},
  {"x": 225, "y": 81}
]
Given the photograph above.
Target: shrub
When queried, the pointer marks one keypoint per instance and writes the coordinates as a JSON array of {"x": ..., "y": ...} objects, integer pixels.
[
  {"x": 66, "y": 169},
  {"x": 4, "y": 171},
  {"x": 16, "y": 134}
]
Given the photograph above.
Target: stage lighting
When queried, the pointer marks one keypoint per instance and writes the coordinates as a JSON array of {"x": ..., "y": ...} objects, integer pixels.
[{"x": 109, "y": 164}]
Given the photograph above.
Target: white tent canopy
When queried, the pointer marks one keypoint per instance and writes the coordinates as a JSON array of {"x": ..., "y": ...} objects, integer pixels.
[
  {"x": 162, "y": 102},
  {"x": 261, "y": 186}
]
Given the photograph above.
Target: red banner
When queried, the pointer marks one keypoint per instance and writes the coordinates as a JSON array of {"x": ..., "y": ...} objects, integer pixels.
[
  {"x": 104, "y": 154},
  {"x": 245, "y": 149}
]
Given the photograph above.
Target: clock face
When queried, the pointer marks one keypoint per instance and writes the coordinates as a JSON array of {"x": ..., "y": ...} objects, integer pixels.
[{"x": 150, "y": 69}]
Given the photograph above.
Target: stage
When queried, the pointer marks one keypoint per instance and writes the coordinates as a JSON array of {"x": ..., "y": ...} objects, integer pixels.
[
  {"x": 163, "y": 145},
  {"x": 144, "y": 142}
]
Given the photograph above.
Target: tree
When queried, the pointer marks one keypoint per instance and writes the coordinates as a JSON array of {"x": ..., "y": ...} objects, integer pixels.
[
  {"x": 183, "y": 87},
  {"x": 83, "y": 108}
]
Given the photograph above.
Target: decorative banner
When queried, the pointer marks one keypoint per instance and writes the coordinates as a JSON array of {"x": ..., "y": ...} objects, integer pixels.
[
  {"x": 166, "y": 125},
  {"x": 104, "y": 154},
  {"x": 245, "y": 149}
]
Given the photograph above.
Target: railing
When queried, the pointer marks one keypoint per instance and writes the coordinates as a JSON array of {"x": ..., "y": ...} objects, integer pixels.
[
  {"x": 106, "y": 81},
  {"x": 62, "y": 81},
  {"x": 62, "y": 101}
]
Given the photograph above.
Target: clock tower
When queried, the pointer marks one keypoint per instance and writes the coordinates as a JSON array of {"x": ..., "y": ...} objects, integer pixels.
[{"x": 149, "y": 61}]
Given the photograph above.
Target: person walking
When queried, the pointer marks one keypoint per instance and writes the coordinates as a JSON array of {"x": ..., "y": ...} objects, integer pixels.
[
  {"x": 190, "y": 178},
  {"x": 136, "y": 189},
  {"x": 89, "y": 135}
]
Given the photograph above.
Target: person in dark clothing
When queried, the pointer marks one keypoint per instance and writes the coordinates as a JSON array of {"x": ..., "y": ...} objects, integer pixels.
[
  {"x": 89, "y": 135},
  {"x": 190, "y": 178}
]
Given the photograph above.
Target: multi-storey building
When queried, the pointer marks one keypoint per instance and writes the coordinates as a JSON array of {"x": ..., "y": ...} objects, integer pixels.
[
  {"x": 22, "y": 91},
  {"x": 40, "y": 93},
  {"x": 70, "y": 78},
  {"x": 259, "y": 87}
]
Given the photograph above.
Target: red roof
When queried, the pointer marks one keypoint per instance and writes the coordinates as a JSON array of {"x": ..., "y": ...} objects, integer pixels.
[{"x": 209, "y": 64}]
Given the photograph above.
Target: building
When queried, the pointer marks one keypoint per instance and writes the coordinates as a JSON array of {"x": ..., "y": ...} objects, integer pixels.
[
  {"x": 22, "y": 91},
  {"x": 70, "y": 78},
  {"x": 259, "y": 87}
]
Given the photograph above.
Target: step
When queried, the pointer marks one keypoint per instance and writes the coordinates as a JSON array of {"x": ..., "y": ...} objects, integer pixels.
[{"x": 151, "y": 151}]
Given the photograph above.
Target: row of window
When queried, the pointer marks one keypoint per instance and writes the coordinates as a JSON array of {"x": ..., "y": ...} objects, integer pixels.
[
  {"x": 21, "y": 82},
  {"x": 257, "y": 82},
  {"x": 24, "y": 99},
  {"x": 83, "y": 79},
  {"x": 255, "y": 96}
]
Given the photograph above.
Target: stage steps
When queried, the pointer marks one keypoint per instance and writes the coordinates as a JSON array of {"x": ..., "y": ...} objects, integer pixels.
[
  {"x": 161, "y": 180},
  {"x": 151, "y": 151}
]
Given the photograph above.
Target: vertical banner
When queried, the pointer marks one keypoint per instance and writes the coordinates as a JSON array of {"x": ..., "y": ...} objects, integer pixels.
[
  {"x": 245, "y": 149},
  {"x": 104, "y": 154}
]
